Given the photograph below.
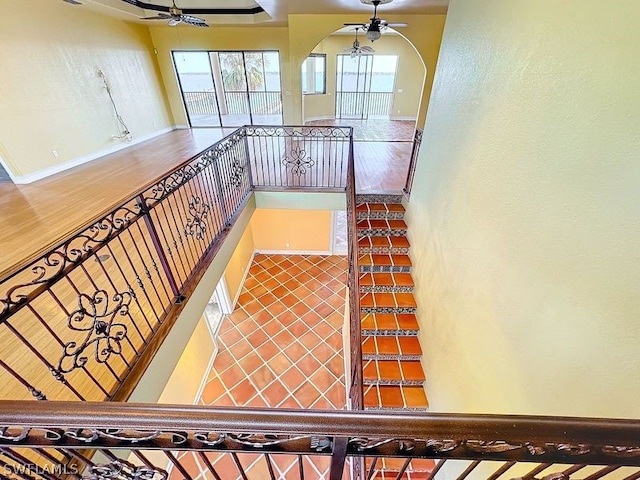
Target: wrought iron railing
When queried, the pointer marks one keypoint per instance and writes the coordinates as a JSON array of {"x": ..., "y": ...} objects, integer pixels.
[
  {"x": 82, "y": 321},
  {"x": 363, "y": 104},
  {"x": 415, "y": 150},
  {"x": 355, "y": 392},
  {"x": 299, "y": 157},
  {"x": 236, "y": 103},
  {"x": 152, "y": 441}
]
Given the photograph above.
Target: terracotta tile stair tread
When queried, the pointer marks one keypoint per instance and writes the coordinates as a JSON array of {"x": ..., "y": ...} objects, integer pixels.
[
  {"x": 395, "y": 397},
  {"x": 395, "y": 242},
  {"x": 385, "y": 260},
  {"x": 387, "y": 300},
  {"x": 389, "y": 321},
  {"x": 382, "y": 345},
  {"x": 383, "y": 224},
  {"x": 380, "y": 207},
  {"x": 392, "y": 370},
  {"x": 386, "y": 279}
]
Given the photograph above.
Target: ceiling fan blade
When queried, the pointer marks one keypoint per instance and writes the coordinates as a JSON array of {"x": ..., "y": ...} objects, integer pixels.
[
  {"x": 72, "y": 2},
  {"x": 397, "y": 25},
  {"x": 353, "y": 24},
  {"x": 194, "y": 21},
  {"x": 160, "y": 16},
  {"x": 366, "y": 49}
]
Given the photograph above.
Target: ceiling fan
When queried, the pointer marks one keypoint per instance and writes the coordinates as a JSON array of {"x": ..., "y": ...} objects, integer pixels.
[
  {"x": 376, "y": 25},
  {"x": 356, "y": 50},
  {"x": 175, "y": 17}
]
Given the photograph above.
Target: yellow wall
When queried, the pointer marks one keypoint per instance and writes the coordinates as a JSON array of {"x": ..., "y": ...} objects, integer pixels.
[
  {"x": 166, "y": 39},
  {"x": 307, "y": 31},
  {"x": 52, "y": 96},
  {"x": 192, "y": 367},
  {"x": 155, "y": 379},
  {"x": 294, "y": 43},
  {"x": 234, "y": 273},
  {"x": 524, "y": 217},
  {"x": 303, "y": 230},
  {"x": 409, "y": 76}
]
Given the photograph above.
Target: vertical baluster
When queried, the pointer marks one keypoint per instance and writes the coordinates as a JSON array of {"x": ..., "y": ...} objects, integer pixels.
[
  {"x": 269, "y": 466},
  {"x": 300, "y": 467},
  {"x": 503, "y": 469},
  {"x": 236, "y": 460},
  {"x": 404, "y": 469},
  {"x": 338, "y": 458},
  {"x": 467, "y": 471},
  {"x": 436, "y": 469},
  {"x": 209, "y": 466},
  {"x": 155, "y": 239},
  {"x": 183, "y": 471},
  {"x": 26, "y": 463},
  {"x": 218, "y": 182},
  {"x": 372, "y": 468},
  {"x": 37, "y": 394},
  {"x": 602, "y": 472},
  {"x": 536, "y": 470}
]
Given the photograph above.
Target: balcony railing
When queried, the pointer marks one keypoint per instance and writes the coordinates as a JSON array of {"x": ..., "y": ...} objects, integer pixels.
[
  {"x": 236, "y": 103},
  {"x": 415, "y": 150},
  {"x": 158, "y": 441},
  {"x": 363, "y": 104},
  {"x": 83, "y": 320}
]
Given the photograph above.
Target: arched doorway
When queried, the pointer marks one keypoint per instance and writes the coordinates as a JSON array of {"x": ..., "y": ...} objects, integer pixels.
[{"x": 378, "y": 94}]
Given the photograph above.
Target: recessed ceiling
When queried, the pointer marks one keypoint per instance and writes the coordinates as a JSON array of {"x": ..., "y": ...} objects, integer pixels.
[{"x": 266, "y": 12}]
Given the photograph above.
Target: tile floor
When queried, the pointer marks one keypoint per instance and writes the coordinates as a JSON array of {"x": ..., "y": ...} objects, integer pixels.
[{"x": 280, "y": 348}]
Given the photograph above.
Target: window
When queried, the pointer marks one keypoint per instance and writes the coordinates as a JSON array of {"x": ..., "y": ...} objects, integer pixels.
[{"x": 314, "y": 74}]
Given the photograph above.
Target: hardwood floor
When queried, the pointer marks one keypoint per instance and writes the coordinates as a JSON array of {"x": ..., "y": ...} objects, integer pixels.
[
  {"x": 33, "y": 217},
  {"x": 38, "y": 215}
]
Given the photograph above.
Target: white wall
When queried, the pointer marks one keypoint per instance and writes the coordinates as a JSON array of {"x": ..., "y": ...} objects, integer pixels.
[
  {"x": 51, "y": 95},
  {"x": 524, "y": 213}
]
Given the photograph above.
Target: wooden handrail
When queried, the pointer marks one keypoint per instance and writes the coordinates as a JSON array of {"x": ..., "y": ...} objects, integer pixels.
[{"x": 508, "y": 438}]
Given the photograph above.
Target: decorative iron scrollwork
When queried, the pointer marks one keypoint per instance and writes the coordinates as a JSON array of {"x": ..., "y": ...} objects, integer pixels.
[
  {"x": 321, "y": 444},
  {"x": 236, "y": 175},
  {"x": 65, "y": 257},
  {"x": 623, "y": 452},
  {"x": 199, "y": 211},
  {"x": 365, "y": 444},
  {"x": 260, "y": 440},
  {"x": 573, "y": 449},
  {"x": 95, "y": 317},
  {"x": 122, "y": 470},
  {"x": 13, "y": 434},
  {"x": 442, "y": 446},
  {"x": 297, "y": 163},
  {"x": 491, "y": 447},
  {"x": 210, "y": 439}
]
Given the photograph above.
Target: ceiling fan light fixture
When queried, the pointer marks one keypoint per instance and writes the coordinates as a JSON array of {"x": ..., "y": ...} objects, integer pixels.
[{"x": 373, "y": 33}]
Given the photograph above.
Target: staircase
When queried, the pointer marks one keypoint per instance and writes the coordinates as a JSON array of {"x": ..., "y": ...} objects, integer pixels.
[{"x": 392, "y": 373}]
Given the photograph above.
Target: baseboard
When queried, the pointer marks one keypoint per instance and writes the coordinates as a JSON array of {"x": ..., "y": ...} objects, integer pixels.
[
  {"x": 294, "y": 252},
  {"x": 182, "y": 127},
  {"x": 315, "y": 119},
  {"x": 47, "y": 172},
  {"x": 407, "y": 119},
  {"x": 244, "y": 278}
]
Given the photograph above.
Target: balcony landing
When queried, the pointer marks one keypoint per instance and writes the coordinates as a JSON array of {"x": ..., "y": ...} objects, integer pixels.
[{"x": 36, "y": 215}]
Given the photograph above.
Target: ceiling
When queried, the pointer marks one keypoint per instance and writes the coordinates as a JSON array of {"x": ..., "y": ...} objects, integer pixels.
[{"x": 266, "y": 12}]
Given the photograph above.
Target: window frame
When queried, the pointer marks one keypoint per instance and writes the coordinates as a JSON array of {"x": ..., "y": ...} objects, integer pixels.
[{"x": 324, "y": 79}]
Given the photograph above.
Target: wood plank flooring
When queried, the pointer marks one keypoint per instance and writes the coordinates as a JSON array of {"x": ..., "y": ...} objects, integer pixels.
[
  {"x": 33, "y": 217},
  {"x": 38, "y": 215}
]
